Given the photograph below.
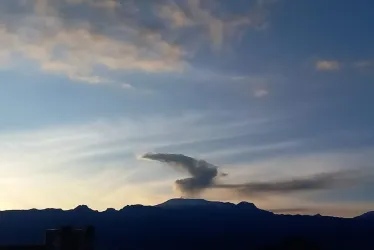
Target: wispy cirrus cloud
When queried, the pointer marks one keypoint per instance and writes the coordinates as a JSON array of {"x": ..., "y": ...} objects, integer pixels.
[
  {"x": 219, "y": 29},
  {"x": 85, "y": 155},
  {"x": 174, "y": 15},
  {"x": 364, "y": 64},
  {"x": 99, "y": 159},
  {"x": 259, "y": 93},
  {"x": 336, "y": 65}
]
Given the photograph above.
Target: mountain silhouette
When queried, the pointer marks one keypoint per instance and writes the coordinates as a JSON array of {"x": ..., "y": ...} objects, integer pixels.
[
  {"x": 368, "y": 216},
  {"x": 193, "y": 224}
]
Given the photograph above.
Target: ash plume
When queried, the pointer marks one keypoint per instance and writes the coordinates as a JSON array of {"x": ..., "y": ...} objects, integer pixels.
[{"x": 204, "y": 175}]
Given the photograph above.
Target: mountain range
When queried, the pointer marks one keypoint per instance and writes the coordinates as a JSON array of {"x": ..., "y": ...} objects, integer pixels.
[{"x": 193, "y": 223}]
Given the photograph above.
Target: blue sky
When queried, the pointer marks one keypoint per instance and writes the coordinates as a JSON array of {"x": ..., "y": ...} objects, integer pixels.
[{"x": 265, "y": 89}]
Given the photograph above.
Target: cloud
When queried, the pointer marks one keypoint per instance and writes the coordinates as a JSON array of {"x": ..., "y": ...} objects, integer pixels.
[
  {"x": 205, "y": 176},
  {"x": 239, "y": 78},
  {"x": 364, "y": 64},
  {"x": 219, "y": 29},
  {"x": 209, "y": 23},
  {"x": 326, "y": 65},
  {"x": 335, "y": 65},
  {"x": 80, "y": 38},
  {"x": 126, "y": 86},
  {"x": 107, "y": 4},
  {"x": 261, "y": 93},
  {"x": 174, "y": 15},
  {"x": 41, "y": 32},
  {"x": 76, "y": 52}
]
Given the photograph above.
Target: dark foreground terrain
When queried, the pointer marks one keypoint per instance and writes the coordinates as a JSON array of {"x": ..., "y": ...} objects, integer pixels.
[{"x": 193, "y": 224}]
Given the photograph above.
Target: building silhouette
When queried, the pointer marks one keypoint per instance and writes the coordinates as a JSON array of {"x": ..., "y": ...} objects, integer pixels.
[
  {"x": 25, "y": 247},
  {"x": 68, "y": 238},
  {"x": 64, "y": 238}
]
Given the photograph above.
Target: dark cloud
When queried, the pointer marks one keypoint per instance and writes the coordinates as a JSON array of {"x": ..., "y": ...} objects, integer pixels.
[
  {"x": 307, "y": 183},
  {"x": 204, "y": 175}
]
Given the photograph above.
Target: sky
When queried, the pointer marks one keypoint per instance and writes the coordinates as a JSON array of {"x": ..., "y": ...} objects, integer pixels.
[{"x": 265, "y": 92}]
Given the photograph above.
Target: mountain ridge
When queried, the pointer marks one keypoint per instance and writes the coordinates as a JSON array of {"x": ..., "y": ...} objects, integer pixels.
[
  {"x": 182, "y": 203},
  {"x": 367, "y": 215},
  {"x": 224, "y": 225}
]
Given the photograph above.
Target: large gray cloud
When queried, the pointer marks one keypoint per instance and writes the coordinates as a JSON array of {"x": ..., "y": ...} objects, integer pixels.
[{"x": 205, "y": 175}]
